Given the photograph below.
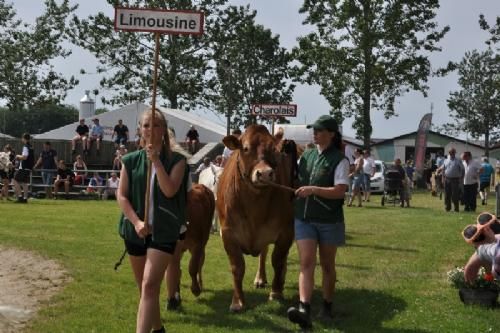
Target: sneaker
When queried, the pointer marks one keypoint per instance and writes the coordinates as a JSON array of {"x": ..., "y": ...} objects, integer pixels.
[
  {"x": 174, "y": 303},
  {"x": 483, "y": 202},
  {"x": 301, "y": 315},
  {"x": 161, "y": 330},
  {"x": 325, "y": 314}
]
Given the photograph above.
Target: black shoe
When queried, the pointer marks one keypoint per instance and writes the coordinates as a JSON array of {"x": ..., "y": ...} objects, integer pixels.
[
  {"x": 174, "y": 303},
  {"x": 161, "y": 330},
  {"x": 325, "y": 314},
  {"x": 301, "y": 315},
  {"x": 21, "y": 200},
  {"x": 483, "y": 202}
]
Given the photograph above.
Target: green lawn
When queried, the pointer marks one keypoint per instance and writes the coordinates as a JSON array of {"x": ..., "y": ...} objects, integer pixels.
[{"x": 392, "y": 273}]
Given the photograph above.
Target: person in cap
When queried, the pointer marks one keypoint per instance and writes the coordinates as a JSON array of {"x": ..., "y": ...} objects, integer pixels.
[{"x": 319, "y": 218}]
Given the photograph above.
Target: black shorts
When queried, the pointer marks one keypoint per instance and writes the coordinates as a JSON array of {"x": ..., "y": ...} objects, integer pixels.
[
  {"x": 3, "y": 175},
  {"x": 134, "y": 249},
  {"x": 483, "y": 186},
  {"x": 22, "y": 176}
]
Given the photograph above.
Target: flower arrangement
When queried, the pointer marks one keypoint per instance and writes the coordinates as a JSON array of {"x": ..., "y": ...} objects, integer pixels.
[
  {"x": 484, "y": 280},
  {"x": 5, "y": 163}
]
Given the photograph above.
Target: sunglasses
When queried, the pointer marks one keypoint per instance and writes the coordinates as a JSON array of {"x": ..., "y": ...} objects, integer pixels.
[{"x": 473, "y": 233}]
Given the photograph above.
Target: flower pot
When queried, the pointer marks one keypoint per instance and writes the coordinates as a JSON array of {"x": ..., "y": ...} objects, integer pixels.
[{"x": 484, "y": 297}]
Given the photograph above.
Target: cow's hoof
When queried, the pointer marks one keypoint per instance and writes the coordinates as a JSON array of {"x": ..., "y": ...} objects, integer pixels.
[
  {"x": 276, "y": 296},
  {"x": 260, "y": 284},
  {"x": 196, "y": 290},
  {"x": 236, "y": 308}
]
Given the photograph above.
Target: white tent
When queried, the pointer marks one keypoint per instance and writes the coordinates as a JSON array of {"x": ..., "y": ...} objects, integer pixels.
[
  {"x": 5, "y": 136},
  {"x": 130, "y": 114}
]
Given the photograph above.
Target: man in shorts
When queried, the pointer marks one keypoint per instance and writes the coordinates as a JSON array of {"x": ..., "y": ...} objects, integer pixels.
[
  {"x": 82, "y": 133},
  {"x": 121, "y": 133},
  {"x": 22, "y": 174},
  {"x": 96, "y": 134}
]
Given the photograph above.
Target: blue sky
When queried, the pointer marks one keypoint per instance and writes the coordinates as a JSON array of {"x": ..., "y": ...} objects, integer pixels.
[{"x": 282, "y": 17}]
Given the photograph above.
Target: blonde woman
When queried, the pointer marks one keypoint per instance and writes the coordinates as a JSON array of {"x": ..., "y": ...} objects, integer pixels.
[{"x": 151, "y": 249}]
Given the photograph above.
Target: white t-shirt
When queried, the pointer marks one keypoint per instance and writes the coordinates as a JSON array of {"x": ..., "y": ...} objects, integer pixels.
[
  {"x": 368, "y": 165},
  {"x": 341, "y": 174},
  {"x": 25, "y": 153},
  {"x": 471, "y": 172},
  {"x": 112, "y": 183},
  {"x": 226, "y": 153}
]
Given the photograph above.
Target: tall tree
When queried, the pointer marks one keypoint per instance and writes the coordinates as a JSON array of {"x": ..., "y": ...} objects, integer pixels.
[
  {"x": 475, "y": 108},
  {"x": 493, "y": 30},
  {"x": 126, "y": 58},
  {"x": 365, "y": 53},
  {"x": 36, "y": 119},
  {"x": 27, "y": 76},
  {"x": 251, "y": 66}
]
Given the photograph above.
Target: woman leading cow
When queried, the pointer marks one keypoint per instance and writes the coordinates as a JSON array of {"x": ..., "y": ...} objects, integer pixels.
[
  {"x": 150, "y": 252},
  {"x": 319, "y": 217}
]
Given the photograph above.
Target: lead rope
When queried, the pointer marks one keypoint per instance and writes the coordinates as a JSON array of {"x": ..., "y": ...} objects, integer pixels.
[{"x": 119, "y": 262}]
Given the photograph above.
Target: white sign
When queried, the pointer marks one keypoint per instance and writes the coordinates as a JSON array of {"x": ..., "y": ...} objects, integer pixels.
[
  {"x": 159, "y": 21},
  {"x": 276, "y": 110}
]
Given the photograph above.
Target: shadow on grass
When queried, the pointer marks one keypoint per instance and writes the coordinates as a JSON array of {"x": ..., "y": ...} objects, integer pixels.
[
  {"x": 365, "y": 310},
  {"x": 379, "y": 247},
  {"x": 354, "y": 311}
]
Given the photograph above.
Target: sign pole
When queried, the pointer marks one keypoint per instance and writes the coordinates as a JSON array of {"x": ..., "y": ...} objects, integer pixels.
[
  {"x": 151, "y": 126},
  {"x": 272, "y": 126}
]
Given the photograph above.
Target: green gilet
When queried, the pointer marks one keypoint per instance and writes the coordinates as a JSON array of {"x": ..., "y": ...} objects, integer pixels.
[
  {"x": 318, "y": 170},
  {"x": 168, "y": 213}
]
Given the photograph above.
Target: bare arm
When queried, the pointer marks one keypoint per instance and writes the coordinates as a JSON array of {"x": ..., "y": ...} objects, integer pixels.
[
  {"x": 126, "y": 206},
  {"x": 38, "y": 162},
  {"x": 472, "y": 267}
]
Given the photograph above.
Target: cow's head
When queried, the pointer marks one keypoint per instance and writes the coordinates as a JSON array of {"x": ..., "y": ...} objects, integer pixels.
[{"x": 255, "y": 154}]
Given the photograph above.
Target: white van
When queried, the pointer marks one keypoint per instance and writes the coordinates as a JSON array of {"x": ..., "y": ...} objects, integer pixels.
[{"x": 377, "y": 181}]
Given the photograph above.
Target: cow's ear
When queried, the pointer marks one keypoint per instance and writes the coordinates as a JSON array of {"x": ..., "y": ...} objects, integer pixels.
[{"x": 232, "y": 142}]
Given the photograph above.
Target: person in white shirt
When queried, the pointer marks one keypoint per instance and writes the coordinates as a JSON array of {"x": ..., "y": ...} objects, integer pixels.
[
  {"x": 368, "y": 172},
  {"x": 111, "y": 186},
  {"x": 205, "y": 164},
  {"x": 471, "y": 181}
]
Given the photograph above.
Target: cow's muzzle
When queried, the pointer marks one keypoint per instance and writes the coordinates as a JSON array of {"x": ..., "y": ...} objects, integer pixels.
[{"x": 263, "y": 173}]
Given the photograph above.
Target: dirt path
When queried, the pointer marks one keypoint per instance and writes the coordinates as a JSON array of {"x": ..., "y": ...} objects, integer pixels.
[{"x": 26, "y": 281}]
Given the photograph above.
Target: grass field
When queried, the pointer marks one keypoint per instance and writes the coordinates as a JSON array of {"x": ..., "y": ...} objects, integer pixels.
[{"x": 392, "y": 273}]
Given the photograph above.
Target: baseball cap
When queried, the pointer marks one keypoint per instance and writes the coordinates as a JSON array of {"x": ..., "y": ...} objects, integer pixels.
[{"x": 325, "y": 122}]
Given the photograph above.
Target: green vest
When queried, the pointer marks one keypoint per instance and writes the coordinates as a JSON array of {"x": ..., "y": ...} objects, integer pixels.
[
  {"x": 318, "y": 170},
  {"x": 168, "y": 213}
]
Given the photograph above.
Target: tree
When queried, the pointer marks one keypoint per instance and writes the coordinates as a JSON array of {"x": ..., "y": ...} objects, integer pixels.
[
  {"x": 36, "y": 119},
  {"x": 26, "y": 75},
  {"x": 493, "y": 30},
  {"x": 126, "y": 58},
  {"x": 251, "y": 66},
  {"x": 476, "y": 106},
  {"x": 366, "y": 53}
]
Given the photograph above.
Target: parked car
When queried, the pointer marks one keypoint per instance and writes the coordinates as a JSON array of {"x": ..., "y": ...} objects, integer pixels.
[{"x": 377, "y": 181}]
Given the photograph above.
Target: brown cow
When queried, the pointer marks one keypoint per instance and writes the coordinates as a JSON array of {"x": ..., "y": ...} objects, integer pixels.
[
  {"x": 200, "y": 207},
  {"x": 252, "y": 214}
]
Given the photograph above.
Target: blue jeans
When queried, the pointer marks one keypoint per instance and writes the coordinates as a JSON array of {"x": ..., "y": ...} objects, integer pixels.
[{"x": 47, "y": 177}]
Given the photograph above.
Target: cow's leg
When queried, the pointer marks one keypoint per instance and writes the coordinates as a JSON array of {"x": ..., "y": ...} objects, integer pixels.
[
  {"x": 238, "y": 269},
  {"x": 194, "y": 269},
  {"x": 279, "y": 261},
  {"x": 261, "y": 277},
  {"x": 202, "y": 261}
]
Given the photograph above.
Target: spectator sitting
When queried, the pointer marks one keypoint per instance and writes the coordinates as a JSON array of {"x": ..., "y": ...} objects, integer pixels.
[
  {"x": 111, "y": 186},
  {"x": 121, "y": 132},
  {"x": 485, "y": 239},
  {"x": 64, "y": 176},
  {"x": 94, "y": 183},
  {"x": 137, "y": 138},
  {"x": 192, "y": 139},
  {"x": 117, "y": 163},
  {"x": 82, "y": 133},
  {"x": 122, "y": 150},
  {"x": 96, "y": 134},
  {"x": 80, "y": 170}
]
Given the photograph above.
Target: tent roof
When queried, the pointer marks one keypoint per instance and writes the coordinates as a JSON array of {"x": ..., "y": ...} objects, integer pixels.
[{"x": 179, "y": 120}]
